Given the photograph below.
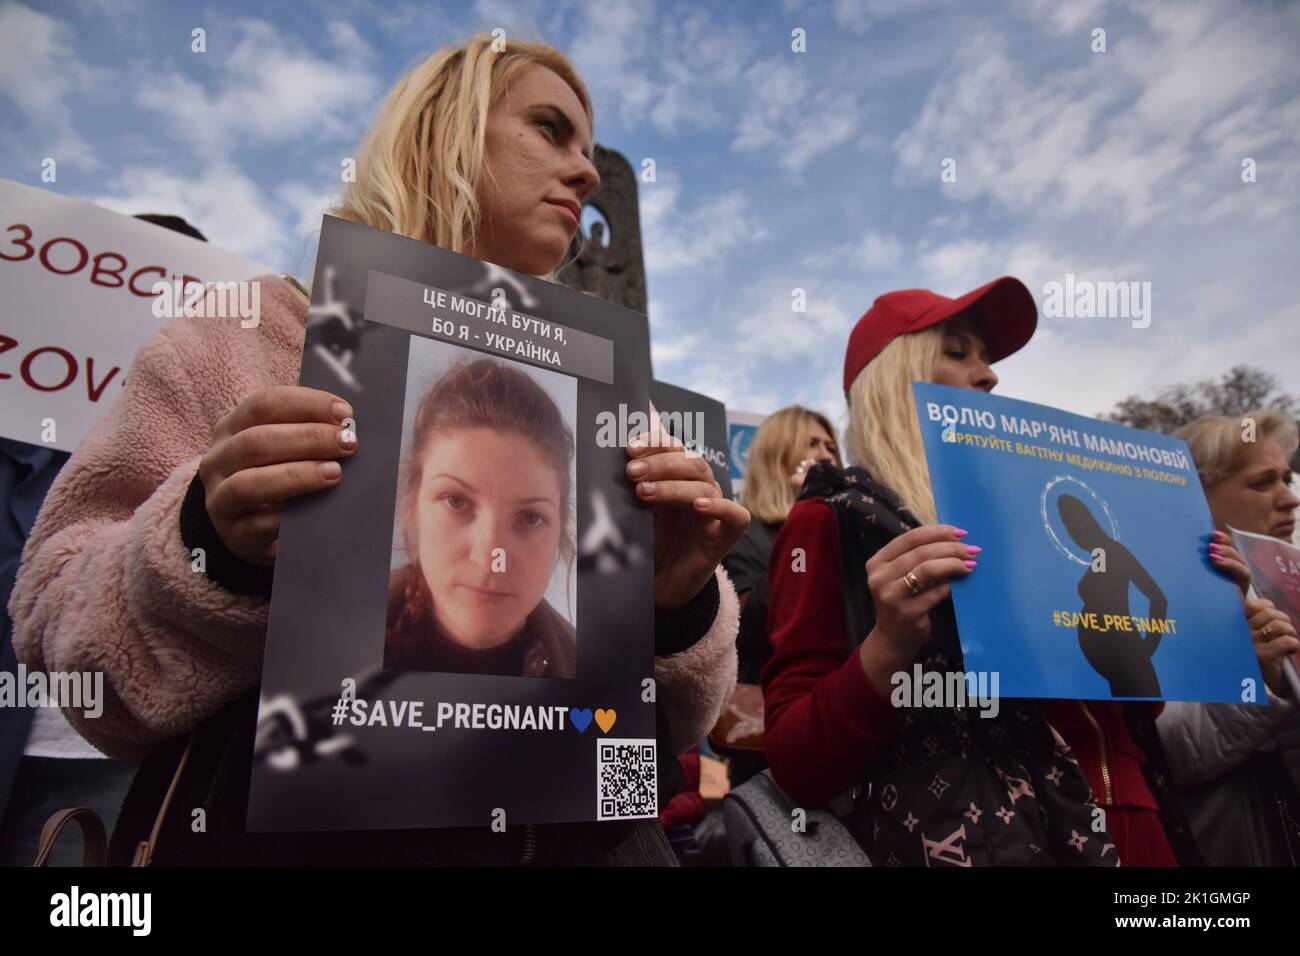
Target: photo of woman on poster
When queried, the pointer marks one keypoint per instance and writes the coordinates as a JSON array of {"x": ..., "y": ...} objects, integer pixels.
[{"x": 485, "y": 517}]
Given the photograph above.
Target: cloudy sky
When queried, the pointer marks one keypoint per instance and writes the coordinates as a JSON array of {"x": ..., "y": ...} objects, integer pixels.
[{"x": 775, "y": 169}]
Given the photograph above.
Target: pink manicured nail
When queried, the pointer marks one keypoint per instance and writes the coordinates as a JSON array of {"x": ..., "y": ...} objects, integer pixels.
[
  {"x": 1216, "y": 548},
  {"x": 969, "y": 564},
  {"x": 1219, "y": 535},
  {"x": 973, "y": 548},
  {"x": 959, "y": 533},
  {"x": 1217, "y": 557},
  {"x": 329, "y": 470},
  {"x": 648, "y": 487}
]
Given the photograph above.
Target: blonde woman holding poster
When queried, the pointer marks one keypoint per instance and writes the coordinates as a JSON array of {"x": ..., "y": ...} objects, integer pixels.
[
  {"x": 1007, "y": 783},
  {"x": 482, "y": 152}
]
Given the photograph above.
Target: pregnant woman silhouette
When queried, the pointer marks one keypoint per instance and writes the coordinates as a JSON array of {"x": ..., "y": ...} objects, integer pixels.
[{"x": 1123, "y": 657}]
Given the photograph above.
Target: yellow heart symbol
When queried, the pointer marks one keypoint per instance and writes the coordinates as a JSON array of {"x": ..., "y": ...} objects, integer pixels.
[{"x": 606, "y": 718}]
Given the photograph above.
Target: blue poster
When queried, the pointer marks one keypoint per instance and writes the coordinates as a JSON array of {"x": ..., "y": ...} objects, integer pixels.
[
  {"x": 740, "y": 437},
  {"x": 1094, "y": 581}
]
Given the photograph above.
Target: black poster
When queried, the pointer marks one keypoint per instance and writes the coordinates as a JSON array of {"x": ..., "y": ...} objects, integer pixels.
[
  {"x": 699, "y": 423},
  {"x": 461, "y": 630}
]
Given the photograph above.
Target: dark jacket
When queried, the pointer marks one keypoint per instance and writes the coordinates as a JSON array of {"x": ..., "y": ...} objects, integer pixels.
[
  {"x": 26, "y": 473},
  {"x": 547, "y": 646},
  {"x": 942, "y": 785},
  {"x": 747, "y": 565}
]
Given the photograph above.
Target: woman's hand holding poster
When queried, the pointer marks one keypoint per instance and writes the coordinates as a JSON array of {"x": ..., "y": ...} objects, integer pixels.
[
  {"x": 1275, "y": 574},
  {"x": 1094, "y": 582}
]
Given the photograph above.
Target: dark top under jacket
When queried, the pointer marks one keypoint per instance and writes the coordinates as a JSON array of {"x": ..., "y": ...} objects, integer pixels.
[
  {"x": 545, "y": 647},
  {"x": 747, "y": 566},
  {"x": 26, "y": 473}
]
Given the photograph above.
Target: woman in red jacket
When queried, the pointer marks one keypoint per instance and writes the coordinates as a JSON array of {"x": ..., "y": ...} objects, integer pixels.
[{"x": 1039, "y": 783}]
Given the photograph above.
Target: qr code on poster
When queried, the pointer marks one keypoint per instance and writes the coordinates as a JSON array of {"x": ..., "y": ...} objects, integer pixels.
[{"x": 625, "y": 780}]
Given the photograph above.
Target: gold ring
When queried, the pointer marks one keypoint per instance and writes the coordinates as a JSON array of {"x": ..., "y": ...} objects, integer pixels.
[{"x": 913, "y": 583}]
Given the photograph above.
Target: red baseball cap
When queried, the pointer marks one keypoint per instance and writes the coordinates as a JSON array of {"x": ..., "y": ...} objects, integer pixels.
[{"x": 1003, "y": 310}]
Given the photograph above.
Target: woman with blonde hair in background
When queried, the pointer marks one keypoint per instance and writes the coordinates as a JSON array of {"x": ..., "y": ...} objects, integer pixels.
[
  {"x": 481, "y": 152},
  {"x": 788, "y": 443},
  {"x": 1239, "y": 764}
]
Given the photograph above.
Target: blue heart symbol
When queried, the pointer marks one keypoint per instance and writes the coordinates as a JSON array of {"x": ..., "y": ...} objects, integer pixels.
[{"x": 580, "y": 718}]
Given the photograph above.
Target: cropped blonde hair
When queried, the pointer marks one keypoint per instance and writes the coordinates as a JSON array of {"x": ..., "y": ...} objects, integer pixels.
[
  {"x": 1217, "y": 444},
  {"x": 419, "y": 167},
  {"x": 883, "y": 435},
  {"x": 778, "y": 447}
]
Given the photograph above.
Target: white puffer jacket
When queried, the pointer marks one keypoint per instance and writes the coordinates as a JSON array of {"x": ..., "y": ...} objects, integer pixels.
[
  {"x": 1205, "y": 741},
  {"x": 1237, "y": 807}
]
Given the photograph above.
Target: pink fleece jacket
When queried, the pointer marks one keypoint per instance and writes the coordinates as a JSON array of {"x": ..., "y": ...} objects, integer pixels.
[{"x": 106, "y": 583}]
